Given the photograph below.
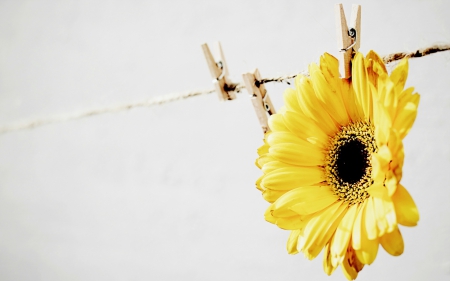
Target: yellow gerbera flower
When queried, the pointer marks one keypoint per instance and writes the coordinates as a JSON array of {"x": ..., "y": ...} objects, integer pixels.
[{"x": 333, "y": 159}]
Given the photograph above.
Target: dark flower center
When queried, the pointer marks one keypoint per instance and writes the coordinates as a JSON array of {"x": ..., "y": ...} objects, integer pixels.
[
  {"x": 351, "y": 161},
  {"x": 348, "y": 166}
]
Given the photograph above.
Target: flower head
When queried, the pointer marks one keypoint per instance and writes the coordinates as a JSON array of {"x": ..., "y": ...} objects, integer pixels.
[{"x": 333, "y": 159}]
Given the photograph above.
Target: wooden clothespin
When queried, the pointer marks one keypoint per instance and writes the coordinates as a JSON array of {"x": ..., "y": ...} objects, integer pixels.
[
  {"x": 260, "y": 99},
  {"x": 348, "y": 39},
  {"x": 219, "y": 72}
]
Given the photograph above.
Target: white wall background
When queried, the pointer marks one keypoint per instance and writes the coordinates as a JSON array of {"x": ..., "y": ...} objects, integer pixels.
[{"x": 167, "y": 192}]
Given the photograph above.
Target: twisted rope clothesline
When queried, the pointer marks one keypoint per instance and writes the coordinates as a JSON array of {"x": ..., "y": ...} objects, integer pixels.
[{"x": 179, "y": 96}]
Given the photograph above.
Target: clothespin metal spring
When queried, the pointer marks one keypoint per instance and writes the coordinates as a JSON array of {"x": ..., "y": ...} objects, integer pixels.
[
  {"x": 352, "y": 34},
  {"x": 222, "y": 74},
  {"x": 259, "y": 97},
  {"x": 219, "y": 72}
]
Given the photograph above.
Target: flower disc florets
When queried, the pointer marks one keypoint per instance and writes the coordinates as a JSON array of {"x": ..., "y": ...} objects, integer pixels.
[{"x": 348, "y": 162}]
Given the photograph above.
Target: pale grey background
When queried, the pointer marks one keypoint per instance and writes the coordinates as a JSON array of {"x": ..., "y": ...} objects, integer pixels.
[{"x": 167, "y": 193}]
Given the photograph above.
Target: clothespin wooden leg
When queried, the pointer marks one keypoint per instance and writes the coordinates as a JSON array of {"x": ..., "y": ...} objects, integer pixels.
[
  {"x": 219, "y": 72},
  {"x": 348, "y": 39},
  {"x": 259, "y": 97}
]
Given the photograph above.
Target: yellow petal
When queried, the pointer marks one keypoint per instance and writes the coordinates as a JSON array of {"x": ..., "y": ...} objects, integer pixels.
[
  {"x": 305, "y": 128},
  {"x": 378, "y": 190},
  {"x": 288, "y": 137},
  {"x": 351, "y": 265},
  {"x": 396, "y": 147},
  {"x": 405, "y": 95},
  {"x": 384, "y": 210},
  {"x": 321, "y": 227},
  {"x": 369, "y": 248},
  {"x": 375, "y": 67},
  {"x": 393, "y": 242},
  {"x": 361, "y": 86},
  {"x": 268, "y": 215},
  {"x": 311, "y": 106},
  {"x": 349, "y": 271},
  {"x": 405, "y": 208},
  {"x": 289, "y": 223},
  {"x": 328, "y": 267},
  {"x": 314, "y": 204},
  {"x": 263, "y": 161},
  {"x": 298, "y": 155},
  {"x": 329, "y": 66},
  {"x": 272, "y": 195},
  {"x": 348, "y": 95},
  {"x": 406, "y": 114},
  {"x": 356, "y": 233},
  {"x": 276, "y": 123},
  {"x": 330, "y": 100},
  {"x": 391, "y": 182},
  {"x": 258, "y": 183},
  {"x": 292, "y": 242},
  {"x": 369, "y": 220},
  {"x": 271, "y": 165},
  {"x": 290, "y": 100},
  {"x": 386, "y": 220},
  {"x": 299, "y": 195},
  {"x": 400, "y": 74},
  {"x": 384, "y": 157},
  {"x": 288, "y": 178},
  {"x": 391, "y": 216},
  {"x": 263, "y": 149},
  {"x": 368, "y": 252},
  {"x": 341, "y": 238},
  {"x": 380, "y": 215},
  {"x": 390, "y": 100},
  {"x": 382, "y": 122}
]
